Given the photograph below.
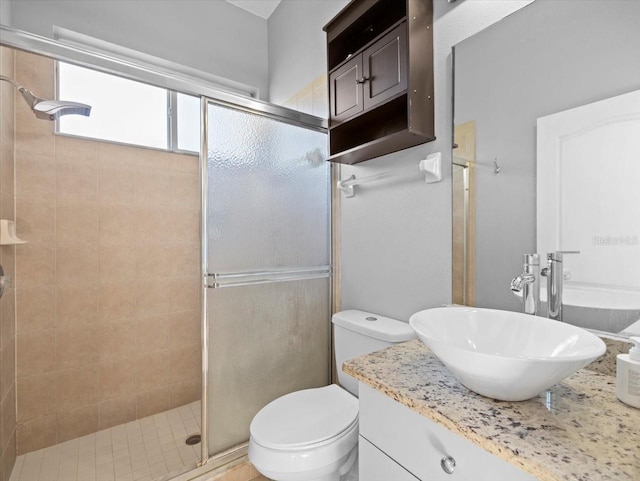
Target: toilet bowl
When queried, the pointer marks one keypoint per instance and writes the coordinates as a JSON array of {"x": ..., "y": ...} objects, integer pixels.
[
  {"x": 312, "y": 435},
  {"x": 309, "y": 435}
]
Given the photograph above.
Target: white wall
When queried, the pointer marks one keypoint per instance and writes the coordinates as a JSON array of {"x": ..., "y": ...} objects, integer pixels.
[
  {"x": 297, "y": 44},
  {"x": 396, "y": 236},
  {"x": 211, "y": 36},
  {"x": 5, "y": 12}
]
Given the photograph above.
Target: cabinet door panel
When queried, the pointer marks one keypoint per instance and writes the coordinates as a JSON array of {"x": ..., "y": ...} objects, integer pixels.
[
  {"x": 385, "y": 67},
  {"x": 345, "y": 91},
  {"x": 419, "y": 444},
  {"x": 377, "y": 466}
]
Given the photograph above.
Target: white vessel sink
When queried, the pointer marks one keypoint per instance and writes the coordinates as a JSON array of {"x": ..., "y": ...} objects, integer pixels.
[{"x": 505, "y": 355}]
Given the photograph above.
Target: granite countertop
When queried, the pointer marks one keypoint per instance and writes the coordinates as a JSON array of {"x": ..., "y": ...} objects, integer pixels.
[{"x": 576, "y": 431}]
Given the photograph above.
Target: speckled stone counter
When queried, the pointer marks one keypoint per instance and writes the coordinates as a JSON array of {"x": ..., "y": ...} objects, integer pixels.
[{"x": 576, "y": 431}]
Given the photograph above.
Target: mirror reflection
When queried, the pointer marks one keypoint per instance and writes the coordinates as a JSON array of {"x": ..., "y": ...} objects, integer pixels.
[{"x": 547, "y": 161}]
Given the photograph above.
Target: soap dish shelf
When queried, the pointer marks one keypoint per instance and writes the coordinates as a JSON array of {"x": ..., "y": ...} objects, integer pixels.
[{"x": 8, "y": 233}]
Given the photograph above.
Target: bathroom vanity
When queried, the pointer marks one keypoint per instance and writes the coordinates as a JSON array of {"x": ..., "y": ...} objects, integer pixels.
[{"x": 417, "y": 420}]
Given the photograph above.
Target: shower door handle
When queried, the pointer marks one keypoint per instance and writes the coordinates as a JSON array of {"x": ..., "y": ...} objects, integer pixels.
[{"x": 245, "y": 278}]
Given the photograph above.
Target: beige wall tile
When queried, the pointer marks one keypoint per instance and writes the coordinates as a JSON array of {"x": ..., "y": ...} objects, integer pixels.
[
  {"x": 35, "y": 176},
  {"x": 117, "y": 340},
  {"x": 152, "y": 334},
  {"x": 170, "y": 162},
  {"x": 185, "y": 293},
  {"x": 8, "y": 368},
  {"x": 182, "y": 260},
  {"x": 151, "y": 225},
  {"x": 183, "y": 225},
  {"x": 36, "y": 396},
  {"x": 7, "y": 210},
  {"x": 76, "y": 387},
  {"x": 116, "y": 224},
  {"x": 115, "y": 184},
  {"x": 33, "y": 135},
  {"x": 153, "y": 401},
  {"x": 185, "y": 363},
  {"x": 9, "y": 457},
  {"x": 76, "y": 222},
  {"x": 116, "y": 300},
  {"x": 8, "y": 254},
  {"x": 153, "y": 370},
  {"x": 36, "y": 220},
  {"x": 76, "y": 345},
  {"x": 7, "y": 317},
  {"x": 117, "y": 380},
  {"x": 36, "y": 352},
  {"x": 71, "y": 147},
  {"x": 152, "y": 261},
  {"x": 152, "y": 299},
  {"x": 116, "y": 411},
  {"x": 184, "y": 328},
  {"x": 35, "y": 265},
  {"x": 184, "y": 191},
  {"x": 103, "y": 221},
  {"x": 7, "y": 159},
  {"x": 76, "y": 304},
  {"x": 119, "y": 156},
  {"x": 35, "y": 73},
  {"x": 76, "y": 423},
  {"x": 36, "y": 434},
  {"x": 185, "y": 392},
  {"x": 152, "y": 187},
  {"x": 117, "y": 262},
  {"x": 76, "y": 179},
  {"x": 77, "y": 263},
  {"x": 35, "y": 307}
]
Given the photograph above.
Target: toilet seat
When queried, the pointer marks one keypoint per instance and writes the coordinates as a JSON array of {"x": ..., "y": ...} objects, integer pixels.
[{"x": 305, "y": 419}]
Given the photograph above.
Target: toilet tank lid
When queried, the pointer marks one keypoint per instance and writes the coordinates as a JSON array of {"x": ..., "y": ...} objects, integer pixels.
[{"x": 374, "y": 325}]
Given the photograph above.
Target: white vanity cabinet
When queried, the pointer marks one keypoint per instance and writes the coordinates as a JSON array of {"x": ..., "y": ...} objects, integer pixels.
[{"x": 399, "y": 444}]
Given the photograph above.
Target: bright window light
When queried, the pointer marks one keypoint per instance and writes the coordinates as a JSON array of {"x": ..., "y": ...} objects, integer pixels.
[
  {"x": 188, "y": 122},
  {"x": 127, "y": 111}
]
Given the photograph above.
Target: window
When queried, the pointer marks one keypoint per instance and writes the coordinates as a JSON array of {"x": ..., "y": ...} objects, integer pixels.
[{"x": 127, "y": 111}]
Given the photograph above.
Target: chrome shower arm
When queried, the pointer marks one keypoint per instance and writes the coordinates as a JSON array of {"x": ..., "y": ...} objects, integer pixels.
[
  {"x": 28, "y": 95},
  {"x": 48, "y": 109}
]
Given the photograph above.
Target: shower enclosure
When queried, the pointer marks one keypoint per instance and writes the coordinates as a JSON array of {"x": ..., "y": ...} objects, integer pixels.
[
  {"x": 265, "y": 264},
  {"x": 109, "y": 334}
]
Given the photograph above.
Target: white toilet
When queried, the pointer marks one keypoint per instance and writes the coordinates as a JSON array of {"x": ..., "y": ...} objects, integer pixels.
[{"x": 312, "y": 435}]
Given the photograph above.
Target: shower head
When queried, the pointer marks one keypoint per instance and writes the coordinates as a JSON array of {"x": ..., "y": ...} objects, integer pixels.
[{"x": 49, "y": 109}]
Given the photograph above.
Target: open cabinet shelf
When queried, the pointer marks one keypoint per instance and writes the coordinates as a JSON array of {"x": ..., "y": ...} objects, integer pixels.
[{"x": 380, "y": 65}]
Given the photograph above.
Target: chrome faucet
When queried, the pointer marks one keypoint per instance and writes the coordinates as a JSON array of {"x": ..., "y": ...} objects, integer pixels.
[
  {"x": 529, "y": 283},
  {"x": 555, "y": 277}
]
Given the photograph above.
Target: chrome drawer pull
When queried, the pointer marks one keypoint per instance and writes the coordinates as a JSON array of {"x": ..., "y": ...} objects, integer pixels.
[{"x": 448, "y": 464}]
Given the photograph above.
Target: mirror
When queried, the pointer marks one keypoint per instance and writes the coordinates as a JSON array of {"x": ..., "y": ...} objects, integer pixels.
[{"x": 547, "y": 158}]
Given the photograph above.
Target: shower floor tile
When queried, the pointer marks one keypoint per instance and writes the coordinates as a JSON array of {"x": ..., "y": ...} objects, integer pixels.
[{"x": 148, "y": 449}]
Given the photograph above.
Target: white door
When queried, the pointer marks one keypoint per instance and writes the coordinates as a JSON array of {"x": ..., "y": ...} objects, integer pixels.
[{"x": 588, "y": 191}]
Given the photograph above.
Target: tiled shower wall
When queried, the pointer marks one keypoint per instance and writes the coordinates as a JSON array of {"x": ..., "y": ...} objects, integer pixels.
[
  {"x": 7, "y": 259},
  {"x": 108, "y": 285}
]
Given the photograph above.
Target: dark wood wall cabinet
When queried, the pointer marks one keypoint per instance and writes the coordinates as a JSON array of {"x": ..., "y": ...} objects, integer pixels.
[{"x": 380, "y": 63}]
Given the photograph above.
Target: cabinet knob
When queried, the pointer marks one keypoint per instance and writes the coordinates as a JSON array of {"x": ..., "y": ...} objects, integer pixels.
[
  {"x": 362, "y": 80},
  {"x": 448, "y": 464}
]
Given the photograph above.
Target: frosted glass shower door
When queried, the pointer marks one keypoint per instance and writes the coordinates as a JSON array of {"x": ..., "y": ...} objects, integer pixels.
[{"x": 267, "y": 267}]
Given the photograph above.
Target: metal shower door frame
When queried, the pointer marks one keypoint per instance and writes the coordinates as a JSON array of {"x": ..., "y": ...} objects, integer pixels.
[{"x": 211, "y": 280}]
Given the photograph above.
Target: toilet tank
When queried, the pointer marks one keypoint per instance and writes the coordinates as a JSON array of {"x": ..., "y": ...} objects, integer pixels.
[{"x": 357, "y": 332}]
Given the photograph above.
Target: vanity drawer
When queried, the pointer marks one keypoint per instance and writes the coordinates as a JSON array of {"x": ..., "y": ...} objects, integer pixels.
[
  {"x": 418, "y": 444},
  {"x": 377, "y": 466}
]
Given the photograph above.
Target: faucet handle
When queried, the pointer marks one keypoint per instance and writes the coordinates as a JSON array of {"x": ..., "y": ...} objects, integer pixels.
[{"x": 557, "y": 255}]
